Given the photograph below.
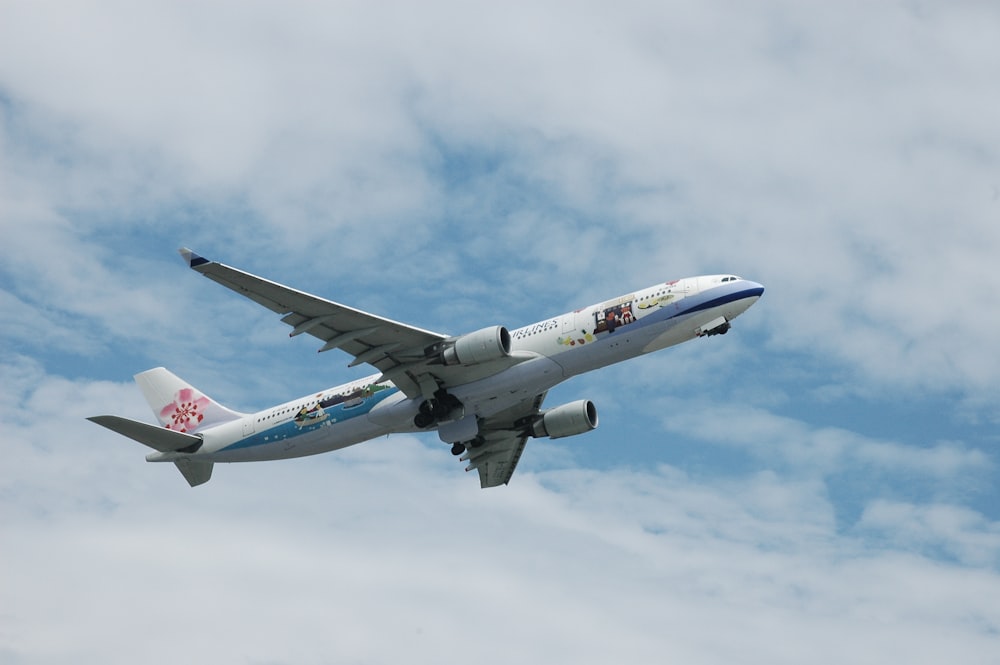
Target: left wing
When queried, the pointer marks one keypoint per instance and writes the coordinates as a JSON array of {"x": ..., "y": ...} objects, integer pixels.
[{"x": 503, "y": 438}]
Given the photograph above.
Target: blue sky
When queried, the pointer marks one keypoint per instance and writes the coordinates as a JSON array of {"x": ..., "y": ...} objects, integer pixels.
[{"x": 820, "y": 485}]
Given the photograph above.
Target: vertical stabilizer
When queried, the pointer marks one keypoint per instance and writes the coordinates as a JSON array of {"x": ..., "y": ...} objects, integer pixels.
[{"x": 180, "y": 406}]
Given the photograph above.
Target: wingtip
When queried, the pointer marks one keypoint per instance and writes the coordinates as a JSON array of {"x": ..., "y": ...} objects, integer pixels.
[{"x": 193, "y": 260}]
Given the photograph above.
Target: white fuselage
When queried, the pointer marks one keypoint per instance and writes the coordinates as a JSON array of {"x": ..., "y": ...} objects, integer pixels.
[{"x": 554, "y": 350}]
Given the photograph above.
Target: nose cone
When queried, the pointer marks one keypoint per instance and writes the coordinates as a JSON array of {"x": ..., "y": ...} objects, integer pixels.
[{"x": 756, "y": 290}]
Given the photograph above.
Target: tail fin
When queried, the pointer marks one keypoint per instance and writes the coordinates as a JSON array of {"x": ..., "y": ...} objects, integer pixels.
[
  {"x": 182, "y": 410},
  {"x": 178, "y": 405}
]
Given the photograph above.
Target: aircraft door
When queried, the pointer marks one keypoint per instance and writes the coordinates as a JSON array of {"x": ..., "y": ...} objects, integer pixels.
[
  {"x": 567, "y": 323},
  {"x": 247, "y": 426}
]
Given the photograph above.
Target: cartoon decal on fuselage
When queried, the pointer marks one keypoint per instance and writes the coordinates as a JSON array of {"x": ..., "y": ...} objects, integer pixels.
[
  {"x": 657, "y": 302},
  {"x": 317, "y": 412},
  {"x": 611, "y": 318},
  {"x": 311, "y": 416},
  {"x": 583, "y": 338},
  {"x": 612, "y": 315}
]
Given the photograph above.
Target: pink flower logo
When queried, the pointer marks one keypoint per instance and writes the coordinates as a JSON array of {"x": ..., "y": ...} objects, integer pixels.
[{"x": 186, "y": 412}]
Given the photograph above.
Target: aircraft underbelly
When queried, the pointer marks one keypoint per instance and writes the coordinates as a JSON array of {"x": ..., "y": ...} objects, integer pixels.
[
  {"x": 283, "y": 445},
  {"x": 512, "y": 386},
  {"x": 681, "y": 329},
  {"x": 686, "y": 327},
  {"x": 612, "y": 348}
]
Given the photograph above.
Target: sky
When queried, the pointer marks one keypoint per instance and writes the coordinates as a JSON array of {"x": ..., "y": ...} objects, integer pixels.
[{"x": 820, "y": 485}]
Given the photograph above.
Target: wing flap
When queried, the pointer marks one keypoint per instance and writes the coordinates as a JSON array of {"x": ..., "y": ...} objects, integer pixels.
[
  {"x": 497, "y": 463},
  {"x": 503, "y": 440}
]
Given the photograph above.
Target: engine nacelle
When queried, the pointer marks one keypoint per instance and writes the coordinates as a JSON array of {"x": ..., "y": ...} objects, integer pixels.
[
  {"x": 478, "y": 347},
  {"x": 566, "y": 420}
]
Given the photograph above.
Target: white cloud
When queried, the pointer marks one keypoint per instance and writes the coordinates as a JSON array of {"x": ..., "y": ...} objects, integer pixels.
[
  {"x": 454, "y": 167},
  {"x": 820, "y": 450},
  {"x": 852, "y": 174},
  {"x": 333, "y": 553},
  {"x": 961, "y": 533},
  {"x": 386, "y": 550}
]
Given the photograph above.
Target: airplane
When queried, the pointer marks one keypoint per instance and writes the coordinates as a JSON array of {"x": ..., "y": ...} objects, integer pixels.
[{"x": 482, "y": 392}]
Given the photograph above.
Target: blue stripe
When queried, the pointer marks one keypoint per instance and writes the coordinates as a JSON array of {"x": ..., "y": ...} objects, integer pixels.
[
  {"x": 720, "y": 300},
  {"x": 288, "y": 430}
]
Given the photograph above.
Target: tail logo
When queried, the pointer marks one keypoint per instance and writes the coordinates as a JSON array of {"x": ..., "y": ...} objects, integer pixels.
[{"x": 186, "y": 412}]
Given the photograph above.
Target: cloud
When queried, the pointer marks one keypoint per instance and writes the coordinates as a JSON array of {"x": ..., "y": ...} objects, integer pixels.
[
  {"x": 337, "y": 553},
  {"x": 456, "y": 167},
  {"x": 822, "y": 450},
  {"x": 801, "y": 151},
  {"x": 961, "y": 533}
]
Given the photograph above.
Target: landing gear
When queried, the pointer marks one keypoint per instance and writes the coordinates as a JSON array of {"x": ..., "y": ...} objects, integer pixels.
[
  {"x": 460, "y": 447},
  {"x": 721, "y": 329},
  {"x": 442, "y": 406}
]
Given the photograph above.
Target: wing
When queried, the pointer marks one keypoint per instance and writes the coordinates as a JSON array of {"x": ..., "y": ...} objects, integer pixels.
[
  {"x": 403, "y": 353},
  {"x": 383, "y": 343},
  {"x": 503, "y": 441}
]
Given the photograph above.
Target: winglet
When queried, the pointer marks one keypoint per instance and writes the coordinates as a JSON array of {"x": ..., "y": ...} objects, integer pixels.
[{"x": 193, "y": 260}]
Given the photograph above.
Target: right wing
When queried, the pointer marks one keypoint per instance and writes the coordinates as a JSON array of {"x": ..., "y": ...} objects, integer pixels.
[
  {"x": 405, "y": 354},
  {"x": 381, "y": 342}
]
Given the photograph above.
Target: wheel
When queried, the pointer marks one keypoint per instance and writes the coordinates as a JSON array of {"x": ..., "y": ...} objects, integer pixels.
[
  {"x": 422, "y": 420},
  {"x": 457, "y": 449}
]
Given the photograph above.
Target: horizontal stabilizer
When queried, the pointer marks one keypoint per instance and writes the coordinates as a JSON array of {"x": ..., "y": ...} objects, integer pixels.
[{"x": 157, "y": 438}]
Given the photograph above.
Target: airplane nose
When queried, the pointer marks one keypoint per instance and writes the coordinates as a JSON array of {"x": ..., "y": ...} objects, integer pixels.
[{"x": 756, "y": 289}]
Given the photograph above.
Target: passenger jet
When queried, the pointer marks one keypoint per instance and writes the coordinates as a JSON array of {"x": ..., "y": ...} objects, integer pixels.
[{"x": 482, "y": 392}]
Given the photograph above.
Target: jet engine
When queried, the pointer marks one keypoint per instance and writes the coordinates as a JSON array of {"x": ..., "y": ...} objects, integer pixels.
[
  {"x": 566, "y": 420},
  {"x": 478, "y": 347}
]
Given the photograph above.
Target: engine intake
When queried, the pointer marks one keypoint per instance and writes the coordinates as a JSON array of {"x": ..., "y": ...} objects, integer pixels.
[
  {"x": 566, "y": 420},
  {"x": 478, "y": 347}
]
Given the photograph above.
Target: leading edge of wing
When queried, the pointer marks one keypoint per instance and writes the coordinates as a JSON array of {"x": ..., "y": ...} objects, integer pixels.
[
  {"x": 378, "y": 341},
  {"x": 278, "y": 297}
]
